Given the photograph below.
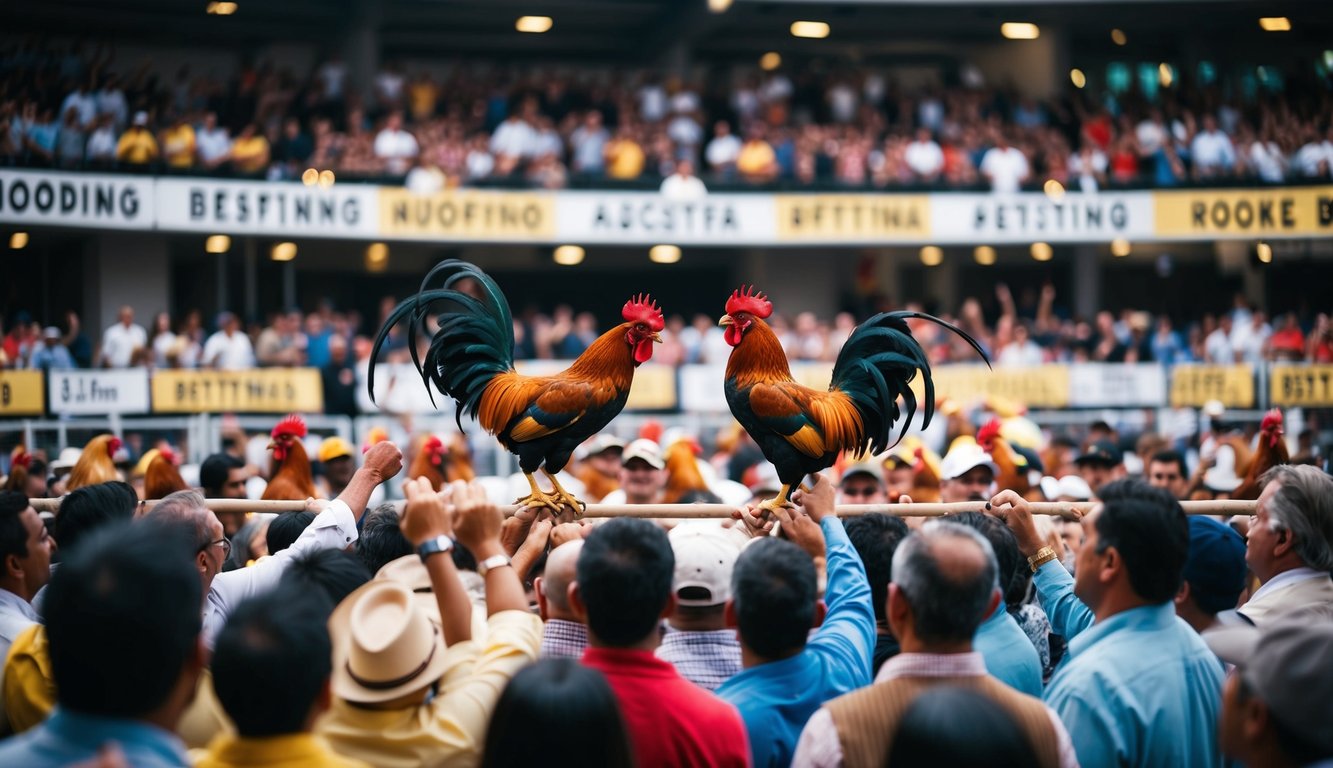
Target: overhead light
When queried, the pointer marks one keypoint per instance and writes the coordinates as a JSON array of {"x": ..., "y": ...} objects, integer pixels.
[
  {"x": 814, "y": 29},
  {"x": 719, "y": 6},
  {"x": 1120, "y": 248},
  {"x": 1019, "y": 30},
  {"x": 1265, "y": 252},
  {"x": 932, "y": 256},
  {"x": 770, "y": 61},
  {"x": 568, "y": 255},
  {"x": 1165, "y": 75},
  {"x": 283, "y": 252},
  {"x": 377, "y": 257},
  {"x": 217, "y": 244},
  {"x": 985, "y": 255},
  {"x": 1042, "y": 251},
  {"x": 18, "y": 241},
  {"x": 1275, "y": 24},
  {"x": 310, "y": 177},
  {"x": 326, "y": 179},
  {"x": 1077, "y": 77},
  {"x": 534, "y": 24},
  {"x": 1054, "y": 190},
  {"x": 221, "y": 8},
  {"x": 664, "y": 254},
  {"x": 1118, "y": 37}
]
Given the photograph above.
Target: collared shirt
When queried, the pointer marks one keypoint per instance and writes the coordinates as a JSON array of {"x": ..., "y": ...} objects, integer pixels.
[
  {"x": 295, "y": 750},
  {"x": 69, "y": 737},
  {"x": 1284, "y": 579},
  {"x": 1138, "y": 688},
  {"x": 119, "y": 343},
  {"x": 16, "y": 615},
  {"x": 1300, "y": 589},
  {"x": 563, "y": 639},
  {"x": 229, "y": 353},
  {"x": 820, "y": 746},
  {"x": 334, "y": 528},
  {"x": 776, "y": 699},
  {"x": 450, "y": 729},
  {"x": 671, "y": 721},
  {"x": 707, "y": 659},
  {"x": 1010, "y": 656}
]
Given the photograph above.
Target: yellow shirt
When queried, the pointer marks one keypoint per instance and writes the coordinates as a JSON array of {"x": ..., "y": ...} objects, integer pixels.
[
  {"x": 756, "y": 159},
  {"x": 204, "y": 720},
  {"x": 30, "y": 691},
  {"x": 136, "y": 146},
  {"x": 250, "y": 155},
  {"x": 178, "y": 146},
  {"x": 295, "y": 751},
  {"x": 624, "y": 159},
  {"x": 422, "y": 97},
  {"x": 450, "y": 730}
]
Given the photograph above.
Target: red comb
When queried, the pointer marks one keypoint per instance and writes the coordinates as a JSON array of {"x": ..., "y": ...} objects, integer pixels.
[
  {"x": 112, "y": 446},
  {"x": 747, "y": 299},
  {"x": 989, "y": 432},
  {"x": 292, "y": 425},
  {"x": 23, "y": 459},
  {"x": 642, "y": 309},
  {"x": 169, "y": 455},
  {"x": 1272, "y": 426}
]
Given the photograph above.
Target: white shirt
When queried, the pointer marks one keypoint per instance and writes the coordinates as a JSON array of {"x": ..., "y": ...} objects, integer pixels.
[
  {"x": 925, "y": 158},
  {"x": 1308, "y": 158},
  {"x": 396, "y": 147},
  {"x": 685, "y": 130},
  {"x": 113, "y": 102},
  {"x": 514, "y": 138},
  {"x": 334, "y": 528},
  {"x": 119, "y": 343},
  {"x": 1151, "y": 136},
  {"x": 1025, "y": 354},
  {"x": 1217, "y": 348},
  {"x": 1006, "y": 168},
  {"x": 16, "y": 615},
  {"x": 234, "y": 353},
  {"x": 652, "y": 102},
  {"x": 1267, "y": 159},
  {"x": 84, "y": 102},
  {"x": 1285, "y": 579},
  {"x": 479, "y": 164},
  {"x": 212, "y": 145},
  {"x": 332, "y": 75},
  {"x": 677, "y": 187},
  {"x": 102, "y": 144},
  {"x": 723, "y": 150},
  {"x": 162, "y": 347},
  {"x": 1213, "y": 149}
]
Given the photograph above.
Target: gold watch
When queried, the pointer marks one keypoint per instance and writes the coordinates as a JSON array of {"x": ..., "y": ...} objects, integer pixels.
[{"x": 1043, "y": 556}]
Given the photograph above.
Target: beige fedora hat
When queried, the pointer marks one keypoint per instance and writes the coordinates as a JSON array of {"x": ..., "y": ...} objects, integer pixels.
[
  {"x": 386, "y": 646},
  {"x": 409, "y": 571}
]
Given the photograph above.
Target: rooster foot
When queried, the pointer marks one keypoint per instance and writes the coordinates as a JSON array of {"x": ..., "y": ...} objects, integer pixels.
[
  {"x": 564, "y": 497},
  {"x": 780, "y": 500},
  {"x": 538, "y": 500}
]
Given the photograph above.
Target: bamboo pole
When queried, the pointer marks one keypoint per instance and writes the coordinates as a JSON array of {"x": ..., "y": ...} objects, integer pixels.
[{"x": 1067, "y": 510}]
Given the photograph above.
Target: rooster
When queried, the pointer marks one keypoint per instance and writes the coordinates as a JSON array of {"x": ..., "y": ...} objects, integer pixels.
[
  {"x": 430, "y": 462},
  {"x": 541, "y": 419},
  {"x": 683, "y": 475},
  {"x": 97, "y": 463},
  {"x": 20, "y": 461},
  {"x": 1271, "y": 451},
  {"x": 1012, "y": 463},
  {"x": 289, "y": 476},
  {"x": 802, "y": 430},
  {"x": 162, "y": 478},
  {"x": 459, "y": 466}
]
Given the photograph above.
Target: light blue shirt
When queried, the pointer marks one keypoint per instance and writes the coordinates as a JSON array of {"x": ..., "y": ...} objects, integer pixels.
[
  {"x": 68, "y": 737},
  {"x": 776, "y": 699},
  {"x": 1010, "y": 656},
  {"x": 1138, "y": 688}
]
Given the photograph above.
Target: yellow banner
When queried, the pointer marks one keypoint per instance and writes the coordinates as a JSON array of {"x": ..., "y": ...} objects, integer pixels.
[
  {"x": 1305, "y": 385},
  {"x": 21, "y": 393},
  {"x": 852, "y": 217},
  {"x": 1044, "y": 387},
  {"x": 1287, "y": 211},
  {"x": 468, "y": 215},
  {"x": 265, "y": 390},
  {"x": 1194, "y": 385},
  {"x": 654, "y": 389}
]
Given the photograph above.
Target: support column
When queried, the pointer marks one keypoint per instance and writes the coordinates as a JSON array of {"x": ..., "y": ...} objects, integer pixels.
[
  {"x": 1087, "y": 281},
  {"x": 362, "y": 47},
  {"x": 134, "y": 270},
  {"x": 222, "y": 281},
  {"x": 942, "y": 280},
  {"x": 251, "y": 279},
  {"x": 288, "y": 286}
]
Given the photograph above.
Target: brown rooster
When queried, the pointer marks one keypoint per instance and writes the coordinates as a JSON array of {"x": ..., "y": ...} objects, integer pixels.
[
  {"x": 429, "y": 462},
  {"x": 1271, "y": 451},
  {"x": 19, "y": 463},
  {"x": 162, "y": 478},
  {"x": 459, "y": 464},
  {"x": 1013, "y": 474},
  {"x": 289, "y": 476},
  {"x": 926, "y": 482},
  {"x": 683, "y": 475},
  {"x": 96, "y": 464}
]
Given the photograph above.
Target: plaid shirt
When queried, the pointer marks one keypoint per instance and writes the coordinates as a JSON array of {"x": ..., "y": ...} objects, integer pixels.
[
  {"x": 562, "y": 638},
  {"x": 707, "y": 659}
]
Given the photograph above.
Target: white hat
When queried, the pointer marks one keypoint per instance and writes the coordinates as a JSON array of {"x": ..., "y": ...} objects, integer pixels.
[
  {"x": 141, "y": 118},
  {"x": 386, "y": 646},
  {"x": 765, "y": 478},
  {"x": 1067, "y": 487},
  {"x": 599, "y": 444},
  {"x": 645, "y": 450},
  {"x": 705, "y": 557},
  {"x": 1222, "y": 478},
  {"x": 963, "y": 458},
  {"x": 68, "y": 458}
]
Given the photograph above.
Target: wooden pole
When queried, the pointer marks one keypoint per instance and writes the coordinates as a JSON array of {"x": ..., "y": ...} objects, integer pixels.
[{"x": 1067, "y": 510}]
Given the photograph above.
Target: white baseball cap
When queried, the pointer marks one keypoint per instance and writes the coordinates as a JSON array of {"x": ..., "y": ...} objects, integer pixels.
[
  {"x": 964, "y": 458},
  {"x": 643, "y": 449},
  {"x": 705, "y": 558}
]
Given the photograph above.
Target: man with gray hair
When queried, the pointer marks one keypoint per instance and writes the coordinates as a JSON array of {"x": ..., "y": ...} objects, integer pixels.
[
  {"x": 1290, "y": 547},
  {"x": 944, "y": 584},
  {"x": 333, "y": 528}
]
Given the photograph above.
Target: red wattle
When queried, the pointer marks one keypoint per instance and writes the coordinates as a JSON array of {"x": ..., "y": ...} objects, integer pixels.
[
  {"x": 643, "y": 351},
  {"x": 732, "y": 335}
]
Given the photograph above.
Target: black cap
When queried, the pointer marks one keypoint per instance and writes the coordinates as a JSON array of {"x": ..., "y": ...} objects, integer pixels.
[{"x": 1102, "y": 452}]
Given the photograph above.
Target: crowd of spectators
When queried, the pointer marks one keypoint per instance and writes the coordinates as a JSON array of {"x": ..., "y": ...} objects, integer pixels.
[{"x": 842, "y": 128}]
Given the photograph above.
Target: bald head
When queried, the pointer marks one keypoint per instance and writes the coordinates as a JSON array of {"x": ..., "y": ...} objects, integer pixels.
[
  {"x": 948, "y": 576},
  {"x": 559, "y": 574}
]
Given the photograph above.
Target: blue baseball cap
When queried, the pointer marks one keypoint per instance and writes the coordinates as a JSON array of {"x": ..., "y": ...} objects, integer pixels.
[{"x": 1215, "y": 567}]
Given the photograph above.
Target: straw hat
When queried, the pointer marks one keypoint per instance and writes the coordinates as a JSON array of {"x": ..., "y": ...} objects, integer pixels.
[{"x": 389, "y": 647}]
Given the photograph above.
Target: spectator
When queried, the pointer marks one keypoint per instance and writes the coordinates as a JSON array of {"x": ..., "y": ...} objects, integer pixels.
[
  {"x": 950, "y": 725},
  {"x": 563, "y": 634},
  {"x": 83, "y": 102},
  {"x": 25, "y": 550},
  {"x": 293, "y": 149},
  {"x": 966, "y": 474},
  {"x": 876, "y": 537},
  {"x": 587, "y": 145},
  {"x": 623, "y": 155},
  {"x": 122, "y": 342},
  {"x": 50, "y": 354},
  {"x": 944, "y": 584},
  {"x": 178, "y": 144},
  {"x": 683, "y": 185},
  {"x": 102, "y": 143},
  {"x": 1022, "y": 351},
  {"x": 757, "y": 163},
  {"x": 228, "y": 349},
  {"x": 1214, "y": 575},
  {"x": 723, "y": 150},
  {"x": 1217, "y": 347},
  {"x": 382, "y": 540},
  {"x": 137, "y": 147},
  {"x": 284, "y": 529},
  {"x": 1102, "y": 463},
  {"x": 862, "y": 483},
  {"x": 335, "y": 572},
  {"x": 250, "y": 151},
  {"x": 90, "y": 508},
  {"x": 1211, "y": 151},
  {"x": 1138, "y": 686},
  {"x": 338, "y": 463},
  {"x": 111, "y": 101},
  {"x": 642, "y": 475},
  {"x": 697, "y": 641},
  {"x": 622, "y": 592},
  {"x": 222, "y": 476},
  {"x": 1167, "y": 470},
  {"x": 72, "y": 141},
  {"x": 924, "y": 157},
  {"x": 212, "y": 142},
  {"x": 1005, "y": 166},
  {"x": 395, "y": 146},
  {"x": 1290, "y": 546}
]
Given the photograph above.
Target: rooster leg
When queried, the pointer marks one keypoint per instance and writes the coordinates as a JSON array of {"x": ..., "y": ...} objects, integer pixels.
[
  {"x": 780, "y": 501},
  {"x": 538, "y": 497},
  {"x": 564, "y": 497}
]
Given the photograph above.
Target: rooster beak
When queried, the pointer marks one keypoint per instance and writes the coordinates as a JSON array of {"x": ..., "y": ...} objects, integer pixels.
[
  {"x": 657, "y": 337},
  {"x": 726, "y": 320},
  {"x": 272, "y": 444}
]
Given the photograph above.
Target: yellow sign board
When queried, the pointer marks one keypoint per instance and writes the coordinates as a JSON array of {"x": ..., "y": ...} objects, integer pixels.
[
  {"x": 654, "y": 389},
  {"x": 265, "y": 390},
  {"x": 1194, "y": 385},
  {"x": 1290, "y": 211},
  {"x": 467, "y": 215},
  {"x": 21, "y": 393},
  {"x": 1044, "y": 387},
  {"x": 1304, "y": 385},
  {"x": 852, "y": 217}
]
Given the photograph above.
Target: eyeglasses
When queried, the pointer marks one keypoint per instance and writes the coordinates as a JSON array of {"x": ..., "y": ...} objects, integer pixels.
[
  {"x": 223, "y": 542},
  {"x": 867, "y": 491}
]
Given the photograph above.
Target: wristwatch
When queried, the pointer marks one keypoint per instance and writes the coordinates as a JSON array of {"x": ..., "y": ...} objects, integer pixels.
[
  {"x": 494, "y": 561},
  {"x": 434, "y": 547},
  {"x": 1043, "y": 556}
]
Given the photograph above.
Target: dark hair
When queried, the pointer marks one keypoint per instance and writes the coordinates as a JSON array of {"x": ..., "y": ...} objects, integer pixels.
[
  {"x": 1171, "y": 457},
  {"x": 1293, "y": 745},
  {"x": 774, "y": 588},
  {"x": 1147, "y": 526},
  {"x": 214, "y": 471},
  {"x": 13, "y": 535},
  {"x": 381, "y": 541},
  {"x": 286, "y": 528},
  {"x": 122, "y": 618},
  {"x": 624, "y": 575},
  {"x": 89, "y": 508},
  {"x": 271, "y": 660},
  {"x": 334, "y": 572},
  {"x": 1002, "y": 542},
  {"x": 946, "y": 607},
  {"x": 875, "y": 538},
  {"x": 949, "y": 725},
  {"x": 530, "y": 725}
]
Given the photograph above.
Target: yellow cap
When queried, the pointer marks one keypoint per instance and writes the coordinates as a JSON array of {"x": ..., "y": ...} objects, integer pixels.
[{"x": 334, "y": 448}]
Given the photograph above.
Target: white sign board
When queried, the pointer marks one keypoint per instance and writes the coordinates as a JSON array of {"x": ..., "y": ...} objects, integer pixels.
[
  {"x": 649, "y": 219},
  {"x": 1034, "y": 217},
  {"x": 76, "y": 200},
  {"x": 263, "y": 207},
  {"x": 98, "y": 392},
  {"x": 1113, "y": 385}
]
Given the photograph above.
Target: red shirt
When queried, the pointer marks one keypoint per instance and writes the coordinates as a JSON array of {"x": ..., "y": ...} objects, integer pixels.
[{"x": 671, "y": 721}]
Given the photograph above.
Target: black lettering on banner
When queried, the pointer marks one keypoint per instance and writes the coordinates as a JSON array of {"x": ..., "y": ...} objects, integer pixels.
[
  {"x": 6, "y": 394},
  {"x": 103, "y": 204},
  {"x": 18, "y": 196},
  {"x": 45, "y": 196},
  {"x": 351, "y": 212},
  {"x": 1324, "y": 207},
  {"x": 1288, "y": 220},
  {"x": 69, "y": 198},
  {"x": 196, "y": 205},
  {"x": 242, "y": 208}
]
